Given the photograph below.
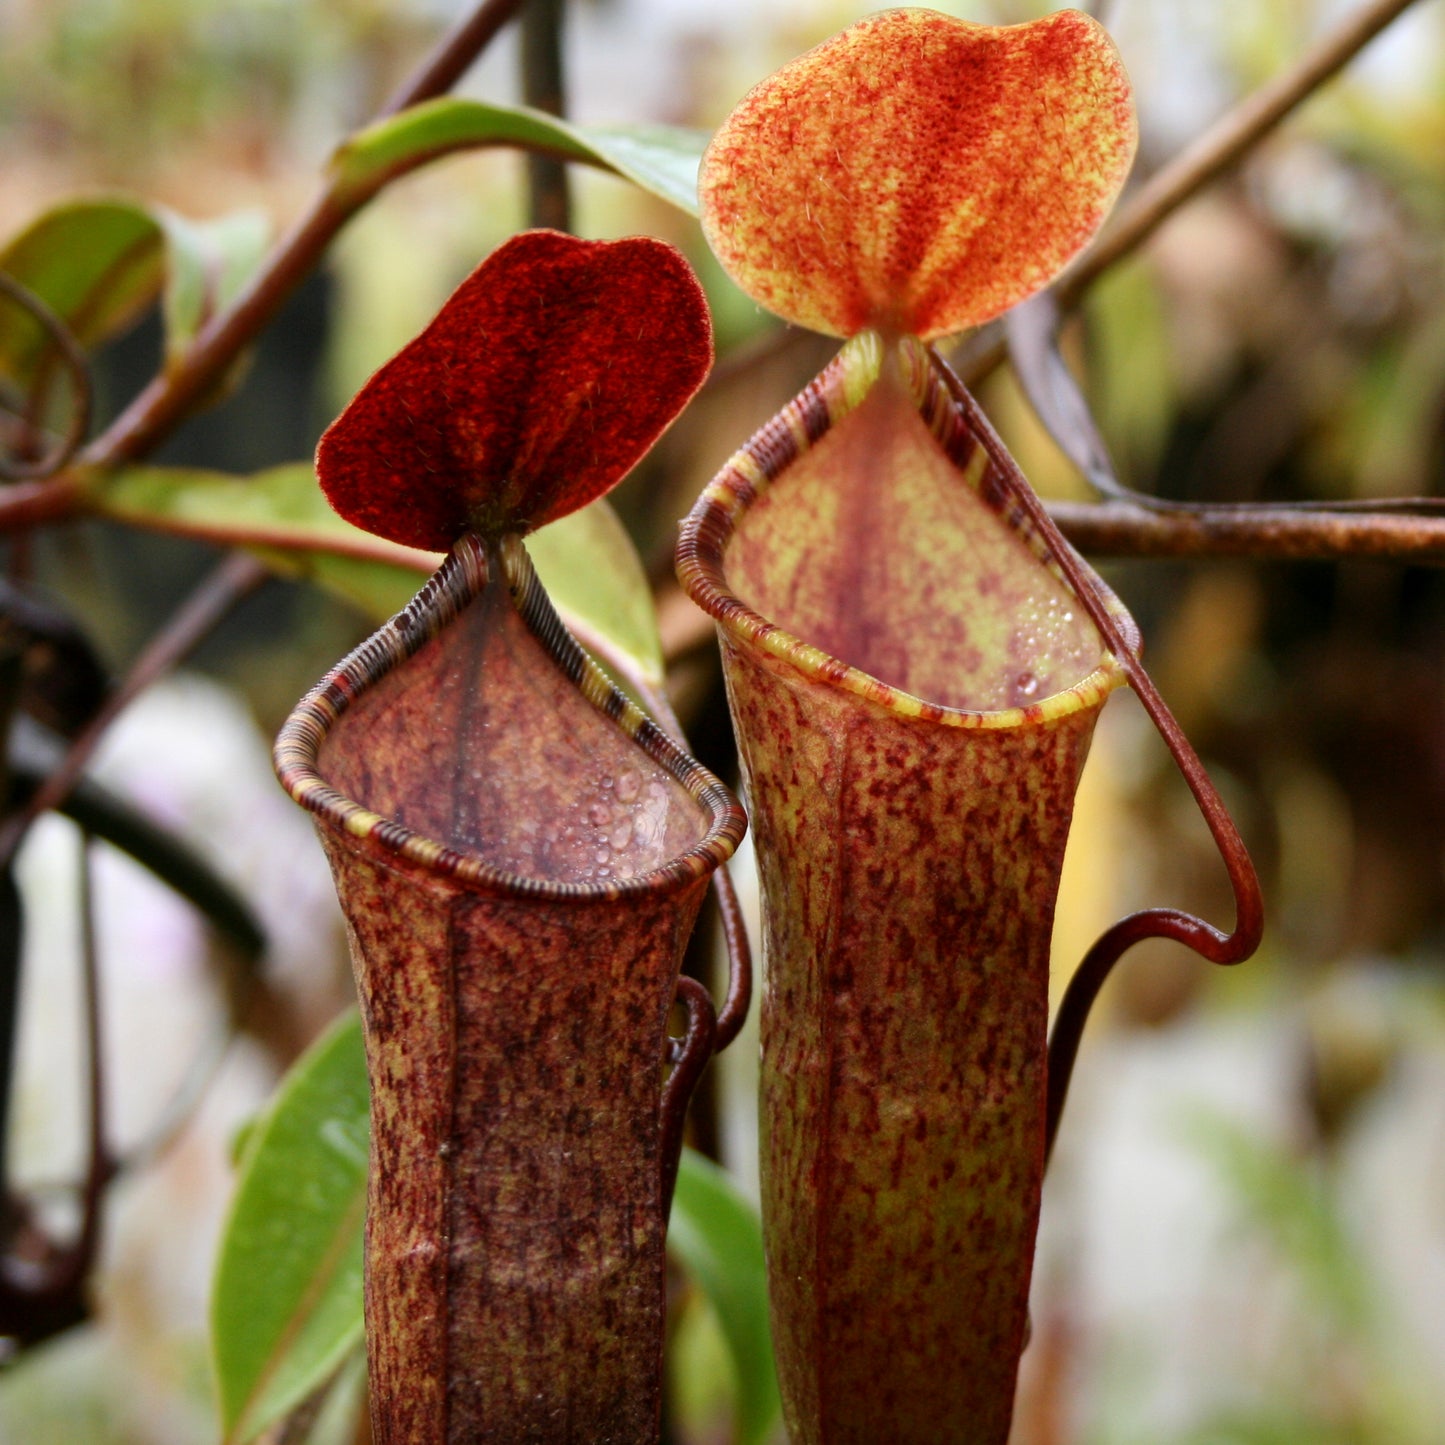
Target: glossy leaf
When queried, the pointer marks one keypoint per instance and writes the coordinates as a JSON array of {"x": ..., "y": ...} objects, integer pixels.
[
  {"x": 286, "y": 1301},
  {"x": 280, "y": 508},
  {"x": 660, "y": 159},
  {"x": 917, "y": 173},
  {"x": 99, "y": 264},
  {"x": 544, "y": 378},
  {"x": 586, "y": 560},
  {"x": 716, "y": 1236}
]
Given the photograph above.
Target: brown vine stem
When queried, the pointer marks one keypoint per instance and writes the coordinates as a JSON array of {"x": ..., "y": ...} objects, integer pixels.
[
  {"x": 1227, "y": 143},
  {"x": 74, "y": 361},
  {"x": 166, "y": 401},
  {"x": 1222, "y": 146},
  {"x": 544, "y": 87},
  {"x": 233, "y": 578},
  {"x": 1124, "y": 529}
]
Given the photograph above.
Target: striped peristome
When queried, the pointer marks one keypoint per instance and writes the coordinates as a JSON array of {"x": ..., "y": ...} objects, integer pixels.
[
  {"x": 440, "y": 602},
  {"x": 966, "y": 438}
]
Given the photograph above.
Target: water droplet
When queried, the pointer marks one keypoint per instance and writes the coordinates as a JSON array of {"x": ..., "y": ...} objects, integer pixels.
[
  {"x": 1026, "y": 685},
  {"x": 629, "y": 784}
]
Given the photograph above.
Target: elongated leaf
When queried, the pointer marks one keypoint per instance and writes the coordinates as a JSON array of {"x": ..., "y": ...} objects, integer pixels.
[
  {"x": 717, "y": 1237},
  {"x": 286, "y": 1301},
  {"x": 660, "y": 159},
  {"x": 98, "y": 264},
  {"x": 586, "y": 560},
  {"x": 281, "y": 508}
]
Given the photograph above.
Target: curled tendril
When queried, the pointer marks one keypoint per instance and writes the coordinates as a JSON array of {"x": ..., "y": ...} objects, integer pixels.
[
  {"x": 690, "y": 1054},
  {"x": 73, "y": 358},
  {"x": 1204, "y": 938},
  {"x": 733, "y": 1013}
]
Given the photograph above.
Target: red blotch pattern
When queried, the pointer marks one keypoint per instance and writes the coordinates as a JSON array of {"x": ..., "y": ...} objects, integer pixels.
[
  {"x": 917, "y": 173},
  {"x": 546, "y": 376}
]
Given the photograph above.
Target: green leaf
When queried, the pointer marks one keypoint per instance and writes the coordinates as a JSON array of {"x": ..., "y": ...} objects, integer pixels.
[
  {"x": 660, "y": 159},
  {"x": 595, "y": 578},
  {"x": 278, "y": 514},
  {"x": 208, "y": 262},
  {"x": 281, "y": 507},
  {"x": 96, "y": 264},
  {"x": 286, "y": 1310},
  {"x": 586, "y": 561},
  {"x": 717, "y": 1237},
  {"x": 286, "y": 1306},
  {"x": 99, "y": 264}
]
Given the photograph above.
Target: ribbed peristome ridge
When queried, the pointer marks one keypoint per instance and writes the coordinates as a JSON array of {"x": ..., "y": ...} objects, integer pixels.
[{"x": 310, "y": 731}]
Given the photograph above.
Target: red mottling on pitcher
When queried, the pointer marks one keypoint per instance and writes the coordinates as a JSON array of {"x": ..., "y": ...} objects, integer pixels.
[
  {"x": 546, "y": 376},
  {"x": 917, "y": 173}
]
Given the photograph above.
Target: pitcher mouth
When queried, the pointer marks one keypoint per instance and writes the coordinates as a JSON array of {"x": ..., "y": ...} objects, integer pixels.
[
  {"x": 980, "y": 461},
  {"x": 438, "y": 605}
]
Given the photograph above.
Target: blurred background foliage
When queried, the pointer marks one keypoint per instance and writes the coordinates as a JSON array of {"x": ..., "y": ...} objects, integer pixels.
[{"x": 1244, "y": 1234}]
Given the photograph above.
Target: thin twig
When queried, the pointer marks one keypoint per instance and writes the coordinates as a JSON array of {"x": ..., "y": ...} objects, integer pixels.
[
  {"x": 32, "y": 504},
  {"x": 1227, "y": 142},
  {"x": 169, "y": 397},
  {"x": 1174, "y": 184},
  {"x": 1320, "y": 529},
  {"x": 233, "y": 579},
  {"x": 452, "y": 56}
]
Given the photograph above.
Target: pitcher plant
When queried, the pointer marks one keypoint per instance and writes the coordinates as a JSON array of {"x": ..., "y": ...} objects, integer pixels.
[
  {"x": 520, "y": 854},
  {"x": 915, "y": 660}
]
